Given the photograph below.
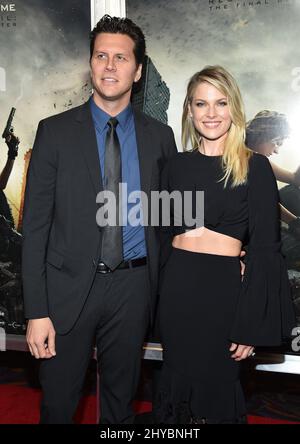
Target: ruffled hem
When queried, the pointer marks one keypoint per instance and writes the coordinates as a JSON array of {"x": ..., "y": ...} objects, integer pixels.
[{"x": 180, "y": 401}]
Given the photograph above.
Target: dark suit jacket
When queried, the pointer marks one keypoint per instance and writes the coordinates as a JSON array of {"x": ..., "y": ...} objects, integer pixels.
[{"x": 61, "y": 240}]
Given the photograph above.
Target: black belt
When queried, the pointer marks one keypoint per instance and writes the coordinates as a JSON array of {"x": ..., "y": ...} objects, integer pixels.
[{"x": 102, "y": 268}]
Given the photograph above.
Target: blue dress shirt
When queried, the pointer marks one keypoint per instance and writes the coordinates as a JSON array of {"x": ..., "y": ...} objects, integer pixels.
[{"x": 134, "y": 245}]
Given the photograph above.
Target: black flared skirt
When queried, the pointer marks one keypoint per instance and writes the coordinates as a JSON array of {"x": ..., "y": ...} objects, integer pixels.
[{"x": 199, "y": 381}]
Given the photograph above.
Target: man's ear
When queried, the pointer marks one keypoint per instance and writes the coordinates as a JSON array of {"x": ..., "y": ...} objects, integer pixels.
[{"x": 138, "y": 74}]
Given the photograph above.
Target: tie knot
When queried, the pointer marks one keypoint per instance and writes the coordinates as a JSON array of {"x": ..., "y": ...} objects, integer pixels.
[{"x": 113, "y": 122}]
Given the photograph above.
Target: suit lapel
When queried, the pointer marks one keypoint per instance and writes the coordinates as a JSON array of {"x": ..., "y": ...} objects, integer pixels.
[
  {"x": 88, "y": 144},
  {"x": 143, "y": 138}
]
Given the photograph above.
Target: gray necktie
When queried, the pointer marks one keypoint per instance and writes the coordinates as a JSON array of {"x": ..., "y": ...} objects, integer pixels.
[{"x": 112, "y": 243}]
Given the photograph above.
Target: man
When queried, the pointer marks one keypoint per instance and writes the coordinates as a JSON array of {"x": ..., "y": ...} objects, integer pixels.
[{"x": 84, "y": 283}]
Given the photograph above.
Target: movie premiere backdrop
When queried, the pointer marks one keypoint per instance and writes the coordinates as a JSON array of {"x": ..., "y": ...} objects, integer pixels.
[
  {"x": 258, "y": 42},
  {"x": 44, "y": 70}
]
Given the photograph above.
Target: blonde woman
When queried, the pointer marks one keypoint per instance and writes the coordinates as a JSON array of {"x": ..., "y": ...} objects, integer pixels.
[{"x": 210, "y": 319}]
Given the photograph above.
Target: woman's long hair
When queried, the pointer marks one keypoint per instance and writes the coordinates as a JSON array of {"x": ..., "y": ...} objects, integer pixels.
[{"x": 236, "y": 155}]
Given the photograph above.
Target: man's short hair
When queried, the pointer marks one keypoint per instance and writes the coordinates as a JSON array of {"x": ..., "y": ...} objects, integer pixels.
[{"x": 118, "y": 25}]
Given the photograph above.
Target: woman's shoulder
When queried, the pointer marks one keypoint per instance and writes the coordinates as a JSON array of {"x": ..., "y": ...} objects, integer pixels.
[
  {"x": 260, "y": 171},
  {"x": 259, "y": 164},
  {"x": 259, "y": 161}
]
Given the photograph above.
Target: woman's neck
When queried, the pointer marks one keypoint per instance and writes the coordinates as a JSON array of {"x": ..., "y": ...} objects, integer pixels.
[{"x": 211, "y": 147}]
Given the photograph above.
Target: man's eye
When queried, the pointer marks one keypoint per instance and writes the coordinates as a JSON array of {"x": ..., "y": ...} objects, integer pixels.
[
  {"x": 120, "y": 57},
  {"x": 101, "y": 56}
]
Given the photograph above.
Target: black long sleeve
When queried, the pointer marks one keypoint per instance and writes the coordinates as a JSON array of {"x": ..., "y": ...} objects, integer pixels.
[
  {"x": 265, "y": 312},
  {"x": 37, "y": 217}
]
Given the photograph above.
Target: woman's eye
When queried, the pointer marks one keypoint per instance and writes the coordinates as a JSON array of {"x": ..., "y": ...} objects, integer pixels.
[
  {"x": 223, "y": 103},
  {"x": 200, "y": 104}
]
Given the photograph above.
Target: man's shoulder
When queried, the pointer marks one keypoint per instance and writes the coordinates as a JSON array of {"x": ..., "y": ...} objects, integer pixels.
[
  {"x": 145, "y": 118},
  {"x": 66, "y": 116}
]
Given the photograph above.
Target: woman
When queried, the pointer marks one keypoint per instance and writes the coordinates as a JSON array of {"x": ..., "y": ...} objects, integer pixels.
[
  {"x": 265, "y": 134},
  {"x": 209, "y": 319}
]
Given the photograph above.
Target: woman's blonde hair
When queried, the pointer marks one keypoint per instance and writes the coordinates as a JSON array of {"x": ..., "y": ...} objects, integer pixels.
[{"x": 235, "y": 158}]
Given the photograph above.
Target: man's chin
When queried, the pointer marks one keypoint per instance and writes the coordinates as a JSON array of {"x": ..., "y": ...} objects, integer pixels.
[{"x": 111, "y": 97}]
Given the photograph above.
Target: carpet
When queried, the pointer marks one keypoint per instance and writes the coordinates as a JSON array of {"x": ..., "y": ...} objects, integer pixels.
[{"x": 20, "y": 405}]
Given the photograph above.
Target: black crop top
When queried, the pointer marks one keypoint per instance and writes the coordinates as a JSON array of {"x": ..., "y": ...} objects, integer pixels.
[
  {"x": 225, "y": 210},
  {"x": 250, "y": 213}
]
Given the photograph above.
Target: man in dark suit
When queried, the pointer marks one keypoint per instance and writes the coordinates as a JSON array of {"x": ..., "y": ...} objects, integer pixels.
[{"x": 73, "y": 298}]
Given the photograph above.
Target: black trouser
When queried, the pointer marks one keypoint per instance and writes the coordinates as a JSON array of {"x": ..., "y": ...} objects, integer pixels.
[{"x": 115, "y": 317}]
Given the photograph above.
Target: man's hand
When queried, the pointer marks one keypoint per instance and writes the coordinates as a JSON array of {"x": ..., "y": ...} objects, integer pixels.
[
  {"x": 41, "y": 338},
  {"x": 243, "y": 266},
  {"x": 241, "y": 351}
]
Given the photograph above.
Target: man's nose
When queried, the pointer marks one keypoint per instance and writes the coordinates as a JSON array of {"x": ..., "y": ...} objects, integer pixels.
[{"x": 110, "y": 66}]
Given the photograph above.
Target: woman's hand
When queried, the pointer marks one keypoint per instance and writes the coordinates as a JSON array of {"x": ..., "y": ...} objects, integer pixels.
[
  {"x": 243, "y": 266},
  {"x": 241, "y": 351}
]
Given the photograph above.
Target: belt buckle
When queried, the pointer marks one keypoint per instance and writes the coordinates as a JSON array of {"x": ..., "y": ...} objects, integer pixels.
[{"x": 102, "y": 268}]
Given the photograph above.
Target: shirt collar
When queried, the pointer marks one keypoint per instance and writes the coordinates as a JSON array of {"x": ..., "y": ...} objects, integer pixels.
[{"x": 100, "y": 117}]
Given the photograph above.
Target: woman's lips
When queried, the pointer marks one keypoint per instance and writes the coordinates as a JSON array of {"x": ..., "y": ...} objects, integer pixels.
[{"x": 211, "y": 125}]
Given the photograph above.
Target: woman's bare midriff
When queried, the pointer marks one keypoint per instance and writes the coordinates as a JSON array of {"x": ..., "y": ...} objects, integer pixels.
[{"x": 203, "y": 240}]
